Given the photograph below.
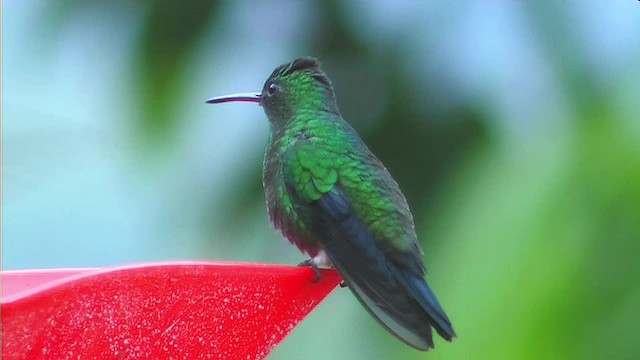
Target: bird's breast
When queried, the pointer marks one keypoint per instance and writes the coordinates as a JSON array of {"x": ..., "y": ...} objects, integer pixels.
[{"x": 281, "y": 206}]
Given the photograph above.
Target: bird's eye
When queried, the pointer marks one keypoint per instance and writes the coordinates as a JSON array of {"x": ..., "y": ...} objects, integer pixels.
[{"x": 272, "y": 88}]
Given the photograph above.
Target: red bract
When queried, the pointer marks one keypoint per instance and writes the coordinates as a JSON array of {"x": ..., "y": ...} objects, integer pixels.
[{"x": 178, "y": 310}]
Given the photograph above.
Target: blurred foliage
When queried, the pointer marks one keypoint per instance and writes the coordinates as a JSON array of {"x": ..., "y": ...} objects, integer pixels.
[
  {"x": 531, "y": 235},
  {"x": 170, "y": 32}
]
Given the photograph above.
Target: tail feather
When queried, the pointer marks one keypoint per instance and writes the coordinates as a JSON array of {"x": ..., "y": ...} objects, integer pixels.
[{"x": 423, "y": 294}]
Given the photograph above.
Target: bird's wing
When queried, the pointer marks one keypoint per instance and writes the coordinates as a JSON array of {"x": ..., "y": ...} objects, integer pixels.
[
  {"x": 395, "y": 295},
  {"x": 311, "y": 170},
  {"x": 308, "y": 171}
]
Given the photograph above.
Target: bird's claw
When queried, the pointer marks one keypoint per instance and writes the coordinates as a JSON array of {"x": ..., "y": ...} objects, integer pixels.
[
  {"x": 314, "y": 267},
  {"x": 343, "y": 284}
]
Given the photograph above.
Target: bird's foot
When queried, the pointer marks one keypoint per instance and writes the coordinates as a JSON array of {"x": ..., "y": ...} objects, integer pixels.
[
  {"x": 316, "y": 270},
  {"x": 343, "y": 284}
]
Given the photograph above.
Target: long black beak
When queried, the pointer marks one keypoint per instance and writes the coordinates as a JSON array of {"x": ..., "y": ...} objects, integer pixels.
[{"x": 247, "y": 97}]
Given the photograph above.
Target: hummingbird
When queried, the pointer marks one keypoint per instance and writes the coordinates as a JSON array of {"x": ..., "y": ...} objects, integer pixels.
[{"x": 331, "y": 197}]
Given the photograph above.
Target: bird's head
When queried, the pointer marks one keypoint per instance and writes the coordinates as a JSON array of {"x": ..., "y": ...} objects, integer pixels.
[{"x": 292, "y": 88}]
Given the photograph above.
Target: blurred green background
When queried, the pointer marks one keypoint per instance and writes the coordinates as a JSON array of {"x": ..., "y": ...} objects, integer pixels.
[{"x": 512, "y": 127}]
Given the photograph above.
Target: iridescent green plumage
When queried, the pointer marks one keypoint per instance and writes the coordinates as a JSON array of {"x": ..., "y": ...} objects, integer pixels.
[{"x": 330, "y": 196}]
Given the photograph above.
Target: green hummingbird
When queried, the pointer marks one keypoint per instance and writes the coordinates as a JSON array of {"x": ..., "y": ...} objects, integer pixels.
[{"x": 332, "y": 198}]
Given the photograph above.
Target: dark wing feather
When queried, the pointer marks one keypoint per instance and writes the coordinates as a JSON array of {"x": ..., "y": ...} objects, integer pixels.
[{"x": 399, "y": 299}]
